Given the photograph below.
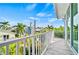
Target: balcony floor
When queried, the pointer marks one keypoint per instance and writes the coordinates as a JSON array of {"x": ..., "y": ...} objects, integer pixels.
[{"x": 58, "y": 46}]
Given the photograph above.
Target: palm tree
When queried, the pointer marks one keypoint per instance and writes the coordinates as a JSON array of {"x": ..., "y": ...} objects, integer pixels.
[
  {"x": 76, "y": 27},
  {"x": 4, "y": 25},
  {"x": 20, "y": 29}
]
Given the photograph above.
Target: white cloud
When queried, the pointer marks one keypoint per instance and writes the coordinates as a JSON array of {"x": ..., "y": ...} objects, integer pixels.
[
  {"x": 33, "y": 18},
  {"x": 49, "y": 15},
  {"x": 42, "y": 24},
  {"x": 4, "y": 19},
  {"x": 44, "y": 14},
  {"x": 52, "y": 19},
  {"x": 41, "y": 14},
  {"x": 30, "y": 7}
]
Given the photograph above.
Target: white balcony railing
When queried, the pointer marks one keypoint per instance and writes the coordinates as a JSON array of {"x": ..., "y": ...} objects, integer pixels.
[{"x": 36, "y": 44}]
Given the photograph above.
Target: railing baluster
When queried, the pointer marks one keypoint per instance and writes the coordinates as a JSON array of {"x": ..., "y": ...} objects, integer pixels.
[
  {"x": 40, "y": 44},
  {"x": 36, "y": 45},
  {"x": 17, "y": 46},
  {"x": 29, "y": 45},
  {"x": 24, "y": 48},
  {"x": 42, "y": 41},
  {"x": 33, "y": 46},
  {"x": 7, "y": 49}
]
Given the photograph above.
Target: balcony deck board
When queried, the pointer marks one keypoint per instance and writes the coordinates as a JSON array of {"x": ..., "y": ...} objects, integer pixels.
[{"x": 58, "y": 46}]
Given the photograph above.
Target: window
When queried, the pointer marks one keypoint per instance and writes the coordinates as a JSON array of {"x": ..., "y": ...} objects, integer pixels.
[
  {"x": 74, "y": 11},
  {"x": 74, "y": 8}
]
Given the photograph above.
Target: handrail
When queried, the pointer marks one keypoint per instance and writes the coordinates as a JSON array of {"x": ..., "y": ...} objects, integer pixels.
[
  {"x": 42, "y": 36},
  {"x": 19, "y": 39}
]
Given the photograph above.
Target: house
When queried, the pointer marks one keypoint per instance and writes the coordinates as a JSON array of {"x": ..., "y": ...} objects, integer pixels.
[
  {"x": 6, "y": 34},
  {"x": 69, "y": 12},
  {"x": 38, "y": 29}
]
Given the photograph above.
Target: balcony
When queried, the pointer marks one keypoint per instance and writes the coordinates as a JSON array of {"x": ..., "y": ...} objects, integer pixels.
[{"x": 41, "y": 44}]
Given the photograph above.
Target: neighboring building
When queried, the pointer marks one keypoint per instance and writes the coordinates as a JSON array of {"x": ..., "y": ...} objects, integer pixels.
[
  {"x": 38, "y": 29},
  {"x": 6, "y": 34},
  {"x": 70, "y": 13}
]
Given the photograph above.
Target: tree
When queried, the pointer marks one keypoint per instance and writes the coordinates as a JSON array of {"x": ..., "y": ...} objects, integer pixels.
[
  {"x": 50, "y": 27},
  {"x": 20, "y": 29},
  {"x": 4, "y": 25},
  {"x": 76, "y": 27},
  {"x": 61, "y": 28}
]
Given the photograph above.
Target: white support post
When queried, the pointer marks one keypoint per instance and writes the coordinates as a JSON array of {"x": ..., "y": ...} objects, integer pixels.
[
  {"x": 48, "y": 37},
  {"x": 36, "y": 45},
  {"x": 78, "y": 38},
  {"x": 65, "y": 25},
  {"x": 40, "y": 44},
  {"x": 78, "y": 29},
  {"x": 33, "y": 46},
  {"x": 29, "y": 45},
  {"x": 33, "y": 39},
  {"x": 52, "y": 36},
  {"x": 24, "y": 48},
  {"x": 70, "y": 29},
  {"x": 7, "y": 49},
  {"x": 17, "y": 46}
]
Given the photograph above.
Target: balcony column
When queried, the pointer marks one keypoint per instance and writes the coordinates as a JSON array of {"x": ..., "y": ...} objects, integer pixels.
[
  {"x": 78, "y": 37},
  {"x": 78, "y": 30},
  {"x": 65, "y": 28}
]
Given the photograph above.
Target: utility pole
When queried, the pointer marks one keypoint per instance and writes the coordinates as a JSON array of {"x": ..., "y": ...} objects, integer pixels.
[
  {"x": 34, "y": 26},
  {"x": 30, "y": 27}
]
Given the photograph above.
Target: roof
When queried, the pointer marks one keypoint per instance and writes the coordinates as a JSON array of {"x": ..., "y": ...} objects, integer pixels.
[{"x": 61, "y": 9}]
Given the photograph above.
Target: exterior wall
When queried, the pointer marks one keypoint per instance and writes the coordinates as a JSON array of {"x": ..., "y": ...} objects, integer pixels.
[
  {"x": 11, "y": 35},
  {"x": 73, "y": 19},
  {"x": 65, "y": 28}
]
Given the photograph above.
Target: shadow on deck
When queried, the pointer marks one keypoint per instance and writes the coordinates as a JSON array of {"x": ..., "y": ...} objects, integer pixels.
[{"x": 58, "y": 46}]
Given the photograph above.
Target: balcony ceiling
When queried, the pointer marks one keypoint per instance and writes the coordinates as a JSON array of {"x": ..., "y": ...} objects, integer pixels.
[{"x": 61, "y": 9}]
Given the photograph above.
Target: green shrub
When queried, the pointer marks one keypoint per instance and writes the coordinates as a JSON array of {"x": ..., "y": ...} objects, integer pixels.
[{"x": 59, "y": 34}]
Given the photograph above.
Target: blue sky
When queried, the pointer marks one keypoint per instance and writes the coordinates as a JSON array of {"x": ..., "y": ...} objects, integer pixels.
[{"x": 43, "y": 13}]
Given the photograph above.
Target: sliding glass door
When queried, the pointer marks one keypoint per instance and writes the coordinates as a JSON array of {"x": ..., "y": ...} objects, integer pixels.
[
  {"x": 75, "y": 35},
  {"x": 74, "y": 10}
]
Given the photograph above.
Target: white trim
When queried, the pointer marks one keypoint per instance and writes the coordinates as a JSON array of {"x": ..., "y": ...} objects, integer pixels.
[
  {"x": 44, "y": 50},
  {"x": 65, "y": 21},
  {"x": 72, "y": 49},
  {"x": 70, "y": 27},
  {"x": 78, "y": 30}
]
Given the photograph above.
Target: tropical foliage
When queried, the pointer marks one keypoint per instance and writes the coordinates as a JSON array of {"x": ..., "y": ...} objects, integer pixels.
[
  {"x": 20, "y": 29},
  {"x": 59, "y": 32},
  {"x": 4, "y": 25}
]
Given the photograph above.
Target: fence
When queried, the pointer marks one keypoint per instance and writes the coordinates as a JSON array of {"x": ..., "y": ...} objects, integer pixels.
[{"x": 30, "y": 45}]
